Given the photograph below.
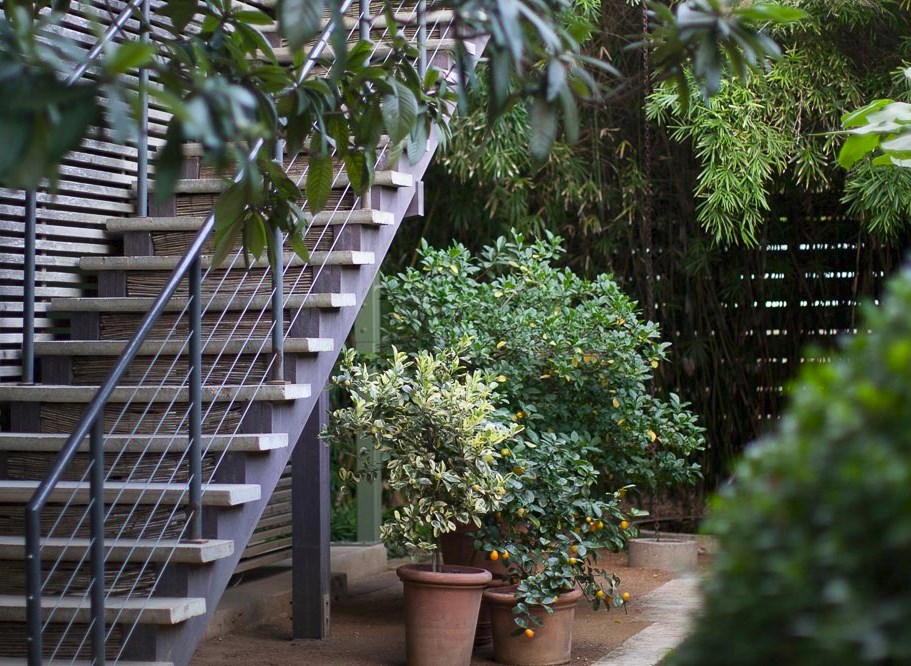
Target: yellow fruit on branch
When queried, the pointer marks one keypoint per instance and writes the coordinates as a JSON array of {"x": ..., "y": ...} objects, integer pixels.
[
  {"x": 529, "y": 633},
  {"x": 624, "y": 524},
  {"x": 625, "y": 596},
  {"x": 494, "y": 556}
]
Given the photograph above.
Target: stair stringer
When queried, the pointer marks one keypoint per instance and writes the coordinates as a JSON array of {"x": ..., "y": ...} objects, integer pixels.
[{"x": 177, "y": 644}]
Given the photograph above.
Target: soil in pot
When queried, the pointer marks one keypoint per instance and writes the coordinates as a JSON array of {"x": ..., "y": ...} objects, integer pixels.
[
  {"x": 441, "y": 612},
  {"x": 552, "y": 642}
]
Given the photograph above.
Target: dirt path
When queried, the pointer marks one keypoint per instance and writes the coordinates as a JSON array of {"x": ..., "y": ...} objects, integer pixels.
[{"x": 367, "y": 629}]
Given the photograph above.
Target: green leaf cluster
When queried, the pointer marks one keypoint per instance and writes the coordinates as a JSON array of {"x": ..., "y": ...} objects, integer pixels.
[
  {"x": 438, "y": 433},
  {"x": 767, "y": 133},
  {"x": 571, "y": 354},
  {"x": 553, "y": 522},
  {"x": 815, "y": 532}
]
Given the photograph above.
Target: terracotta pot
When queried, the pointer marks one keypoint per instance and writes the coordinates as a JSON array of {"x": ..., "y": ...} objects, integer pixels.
[
  {"x": 441, "y": 612},
  {"x": 667, "y": 554},
  {"x": 458, "y": 548},
  {"x": 553, "y": 640}
]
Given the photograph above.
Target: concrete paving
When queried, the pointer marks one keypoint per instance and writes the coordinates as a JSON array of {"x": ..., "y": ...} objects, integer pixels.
[{"x": 670, "y": 608}]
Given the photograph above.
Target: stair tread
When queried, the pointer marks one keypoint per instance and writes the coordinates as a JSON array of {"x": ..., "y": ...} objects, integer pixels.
[
  {"x": 140, "y": 492},
  {"x": 155, "y": 610},
  {"x": 154, "y": 393},
  {"x": 363, "y": 216},
  {"x": 144, "y": 303},
  {"x": 169, "y": 262},
  {"x": 13, "y": 661},
  {"x": 385, "y": 178},
  {"x": 122, "y": 550},
  {"x": 52, "y": 443},
  {"x": 173, "y": 347},
  {"x": 446, "y": 44}
]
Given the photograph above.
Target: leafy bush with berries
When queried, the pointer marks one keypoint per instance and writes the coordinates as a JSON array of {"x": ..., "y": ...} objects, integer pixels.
[
  {"x": 571, "y": 355},
  {"x": 552, "y": 523}
]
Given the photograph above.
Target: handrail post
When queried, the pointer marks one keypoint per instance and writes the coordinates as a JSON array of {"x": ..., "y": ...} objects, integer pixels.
[
  {"x": 142, "y": 147},
  {"x": 422, "y": 37},
  {"x": 195, "y": 424},
  {"x": 33, "y": 583},
  {"x": 28, "y": 289},
  {"x": 276, "y": 261},
  {"x": 364, "y": 23},
  {"x": 364, "y": 20},
  {"x": 96, "y": 522}
]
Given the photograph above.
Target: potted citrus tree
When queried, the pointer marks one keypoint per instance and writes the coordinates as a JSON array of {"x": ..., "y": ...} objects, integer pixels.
[
  {"x": 439, "y": 436},
  {"x": 550, "y": 528}
]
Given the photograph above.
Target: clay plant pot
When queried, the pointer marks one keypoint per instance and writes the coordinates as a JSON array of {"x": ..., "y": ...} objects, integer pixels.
[
  {"x": 667, "y": 554},
  {"x": 441, "y": 612},
  {"x": 458, "y": 548},
  {"x": 553, "y": 640}
]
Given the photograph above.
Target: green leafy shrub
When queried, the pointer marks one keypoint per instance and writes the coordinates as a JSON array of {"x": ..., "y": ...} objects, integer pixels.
[
  {"x": 570, "y": 354},
  {"x": 552, "y": 523},
  {"x": 437, "y": 432},
  {"x": 815, "y": 560}
]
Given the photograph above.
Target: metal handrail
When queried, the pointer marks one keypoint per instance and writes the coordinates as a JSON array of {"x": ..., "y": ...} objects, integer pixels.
[{"x": 91, "y": 421}]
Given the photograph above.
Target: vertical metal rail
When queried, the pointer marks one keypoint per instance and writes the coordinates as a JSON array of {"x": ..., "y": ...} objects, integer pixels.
[
  {"x": 96, "y": 481},
  {"x": 364, "y": 35},
  {"x": 28, "y": 289},
  {"x": 422, "y": 37},
  {"x": 33, "y": 586},
  {"x": 142, "y": 147},
  {"x": 276, "y": 261},
  {"x": 195, "y": 422}
]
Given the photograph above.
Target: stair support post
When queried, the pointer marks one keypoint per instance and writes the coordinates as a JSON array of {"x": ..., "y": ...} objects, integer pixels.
[
  {"x": 28, "y": 289},
  {"x": 142, "y": 146},
  {"x": 96, "y": 481},
  {"x": 195, "y": 418},
  {"x": 310, "y": 498},
  {"x": 422, "y": 37},
  {"x": 369, "y": 493},
  {"x": 278, "y": 294}
]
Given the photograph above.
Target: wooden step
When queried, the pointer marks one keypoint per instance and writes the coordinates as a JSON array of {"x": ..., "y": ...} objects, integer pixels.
[
  {"x": 284, "y": 54},
  {"x": 123, "y": 550},
  {"x": 169, "y": 263},
  {"x": 213, "y": 494},
  {"x": 386, "y": 178},
  {"x": 52, "y": 443},
  {"x": 363, "y": 216},
  {"x": 175, "y": 347},
  {"x": 155, "y": 610},
  {"x": 143, "y": 304},
  {"x": 179, "y": 394},
  {"x": 12, "y": 661}
]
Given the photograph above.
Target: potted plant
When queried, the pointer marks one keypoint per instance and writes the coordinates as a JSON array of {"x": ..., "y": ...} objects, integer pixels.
[
  {"x": 438, "y": 433},
  {"x": 549, "y": 530}
]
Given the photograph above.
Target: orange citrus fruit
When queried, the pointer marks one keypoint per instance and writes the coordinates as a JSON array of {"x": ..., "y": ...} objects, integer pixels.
[
  {"x": 625, "y": 596},
  {"x": 530, "y": 633},
  {"x": 494, "y": 555}
]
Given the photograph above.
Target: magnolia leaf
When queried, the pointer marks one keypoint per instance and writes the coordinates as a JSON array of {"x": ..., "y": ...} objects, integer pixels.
[
  {"x": 300, "y": 20},
  {"x": 180, "y": 12},
  {"x": 319, "y": 181},
  {"x": 543, "y": 129},
  {"x": 855, "y": 147},
  {"x": 129, "y": 55}
]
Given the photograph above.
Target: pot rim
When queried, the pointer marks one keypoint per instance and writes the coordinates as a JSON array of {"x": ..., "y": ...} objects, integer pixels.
[
  {"x": 452, "y": 575},
  {"x": 506, "y": 596}
]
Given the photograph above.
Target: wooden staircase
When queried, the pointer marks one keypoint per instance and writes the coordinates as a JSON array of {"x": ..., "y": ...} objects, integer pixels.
[{"x": 162, "y": 588}]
